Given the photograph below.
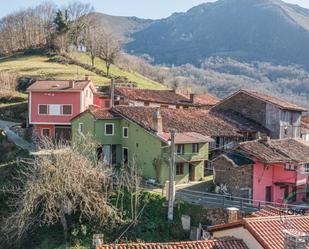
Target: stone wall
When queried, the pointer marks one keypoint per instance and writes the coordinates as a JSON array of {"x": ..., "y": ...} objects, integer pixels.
[
  {"x": 234, "y": 177},
  {"x": 246, "y": 105}
]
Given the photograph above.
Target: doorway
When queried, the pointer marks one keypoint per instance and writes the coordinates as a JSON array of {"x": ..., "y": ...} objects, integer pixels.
[
  {"x": 63, "y": 133},
  {"x": 268, "y": 194},
  {"x": 191, "y": 172}
]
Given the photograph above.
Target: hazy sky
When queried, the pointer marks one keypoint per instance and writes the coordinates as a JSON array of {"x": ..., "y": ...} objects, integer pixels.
[{"x": 141, "y": 8}]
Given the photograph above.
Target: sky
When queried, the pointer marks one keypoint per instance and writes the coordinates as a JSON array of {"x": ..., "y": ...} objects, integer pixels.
[{"x": 153, "y": 9}]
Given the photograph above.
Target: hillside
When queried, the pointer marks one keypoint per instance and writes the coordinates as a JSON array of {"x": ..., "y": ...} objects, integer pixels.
[
  {"x": 41, "y": 65},
  {"x": 121, "y": 26},
  {"x": 245, "y": 30}
]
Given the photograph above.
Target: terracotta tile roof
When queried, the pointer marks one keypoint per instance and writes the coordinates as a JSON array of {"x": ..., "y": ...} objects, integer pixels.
[
  {"x": 206, "y": 99},
  {"x": 277, "y": 150},
  {"x": 244, "y": 124},
  {"x": 58, "y": 85},
  {"x": 156, "y": 96},
  {"x": 295, "y": 149},
  {"x": 261, "y": 150},
  {"x": 268, "y": 231},
  {"x": 276, "y": 101},
  {"x": 187, "y": 138},
  {"x": 267, "y": 211},
  {"x": 183, "y": 120},
  {"x": 97, "y": 113},
  {"x": 227, "y": 243}
]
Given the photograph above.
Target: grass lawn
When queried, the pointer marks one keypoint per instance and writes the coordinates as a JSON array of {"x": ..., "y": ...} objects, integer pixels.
[
  {"x": 142, "y": 81},
  {"x": 39, "y": 66}
]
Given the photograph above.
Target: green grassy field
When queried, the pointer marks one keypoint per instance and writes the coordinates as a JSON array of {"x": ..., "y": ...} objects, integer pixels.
[
  {"x": 142, "y": 81},
  {"x": 39, "y": 66}
]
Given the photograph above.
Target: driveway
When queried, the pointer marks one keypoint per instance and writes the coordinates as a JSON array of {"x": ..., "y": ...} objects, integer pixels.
[{"x": 13, "y": 137}]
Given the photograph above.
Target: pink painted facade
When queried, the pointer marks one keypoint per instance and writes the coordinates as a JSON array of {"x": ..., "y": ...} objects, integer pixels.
[
  {"x": 272, "y": 182},
  {"x": 51, "y": 111}
]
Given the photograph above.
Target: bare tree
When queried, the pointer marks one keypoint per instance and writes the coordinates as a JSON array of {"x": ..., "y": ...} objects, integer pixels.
[
  {"x": 109, "y": 49},
  {"x": 62, "y": 182}
]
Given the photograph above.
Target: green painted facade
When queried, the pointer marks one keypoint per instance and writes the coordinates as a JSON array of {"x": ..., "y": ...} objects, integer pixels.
[{"x": 144, "y": 148}]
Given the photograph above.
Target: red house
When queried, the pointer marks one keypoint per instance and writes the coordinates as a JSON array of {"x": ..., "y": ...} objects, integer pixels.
[
  {"x": 53, "y": 103},
  {"x": 281, "y": 169},
  {"x": 274, "y": 171}
]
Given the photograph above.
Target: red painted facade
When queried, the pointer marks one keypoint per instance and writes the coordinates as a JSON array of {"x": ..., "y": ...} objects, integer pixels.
[
  {"x": 272, "y": 182},
  {"x": 59, "y": 107}
]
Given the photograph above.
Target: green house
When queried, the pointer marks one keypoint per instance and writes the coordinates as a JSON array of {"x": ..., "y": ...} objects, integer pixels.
[{"x": 125, "y": 139}]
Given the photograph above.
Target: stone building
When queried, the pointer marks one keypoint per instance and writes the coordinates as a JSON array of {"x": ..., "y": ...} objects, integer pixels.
[
  {"x": 281, "y": 118},
  {"x": 235, "y": 171}
]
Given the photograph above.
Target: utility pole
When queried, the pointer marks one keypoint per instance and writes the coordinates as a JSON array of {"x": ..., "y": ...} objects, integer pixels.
[
  {"x": 171, "y": 191},
  {"x": 112, "y": 92}
]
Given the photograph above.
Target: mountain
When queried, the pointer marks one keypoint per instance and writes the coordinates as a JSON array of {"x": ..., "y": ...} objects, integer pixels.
[
  {"x": 121, "y": 26},
  {"x": 245, "y": 30}
]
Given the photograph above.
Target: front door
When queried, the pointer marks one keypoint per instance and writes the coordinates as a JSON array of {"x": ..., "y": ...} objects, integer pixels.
[
  {"x": 191, "y": 172},
  {"x": 268, "y": 194},
  {"x": 63, "y": 133}
]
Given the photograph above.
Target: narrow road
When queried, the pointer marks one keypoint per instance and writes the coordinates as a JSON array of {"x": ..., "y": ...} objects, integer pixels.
[{"x": 13, "y": 137}]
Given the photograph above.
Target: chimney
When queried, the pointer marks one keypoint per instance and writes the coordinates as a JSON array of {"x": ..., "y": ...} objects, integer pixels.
[
  {"x": 294, "y": 241},
  {"x": 192, "y": 98},
  {"x": 233, "y": 214},
  {"x": 87, "y": 77},
  {"x": 157, "y": 122},
  {"x": 71, "y": 83}
]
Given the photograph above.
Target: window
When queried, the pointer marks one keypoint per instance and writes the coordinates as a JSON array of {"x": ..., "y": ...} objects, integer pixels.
[
  {"x": 179, "y": 169},
  {"x": 125, "y": 132},
  {"x": 43, "y": 110},
  {"x": 109, "y": 129},
  {"x": 107, "y": 104},
  {"x": 195, "y": 148},
  {"x": 67, "y": 109},
  {"x": 306, "y": 167},
  {"x": 81, "y": 128},
  {"x": 125, "y": 155},
  {"x": 55, "y": 110},
  {"x": 180, "y": 149},
  {"x": 45, "y": 132},
  {"x": 289, "y": 167}
]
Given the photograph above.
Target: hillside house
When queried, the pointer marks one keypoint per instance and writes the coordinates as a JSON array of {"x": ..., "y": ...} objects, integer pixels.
[
  {"x": 162, "y": 98},
  {"x": 53, "y": 103},
  {"x": 281, "y": 118},
  {"x": 266, "y": 170},
  {"x": 144, "y": 131},
  {"x": 123, "y": 140}
]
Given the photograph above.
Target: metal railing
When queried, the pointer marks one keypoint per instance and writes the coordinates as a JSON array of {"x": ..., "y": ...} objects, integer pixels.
[{"x": 224, "y": 201}]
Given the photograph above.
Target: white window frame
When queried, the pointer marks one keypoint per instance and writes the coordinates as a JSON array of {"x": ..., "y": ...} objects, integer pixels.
[
  {"x": 67, "y": 114},
  {"x": 40, "y": 114},
  {"x": 123, "y": 129},
  {"x": 79, "y": 128},
  {"x": 306, "y": 167},
  {"x": 123, "y": 148},
  {"x": 55, "y": 105},
  {"x": 42, "y": 132},
  {"x": 289, "y": 167},
  {"x": 106, "y": 124},
  {"x": 183, "y": 169}
]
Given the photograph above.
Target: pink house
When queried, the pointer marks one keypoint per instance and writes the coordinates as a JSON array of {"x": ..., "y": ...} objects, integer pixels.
[
  {"x": 53, "y": 103},
  {"x": 280, "y": 170}
]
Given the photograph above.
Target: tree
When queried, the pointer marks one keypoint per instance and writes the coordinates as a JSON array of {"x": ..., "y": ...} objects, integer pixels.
[
  {"x": 66, "y": 182},
  {"x": 108, "y": 49}
]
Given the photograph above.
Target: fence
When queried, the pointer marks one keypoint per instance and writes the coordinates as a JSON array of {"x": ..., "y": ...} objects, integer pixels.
[{"x": 224, "y": 201}]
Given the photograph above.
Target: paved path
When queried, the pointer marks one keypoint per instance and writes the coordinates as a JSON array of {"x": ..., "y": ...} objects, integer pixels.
[{"x": 12, "y": 136}]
